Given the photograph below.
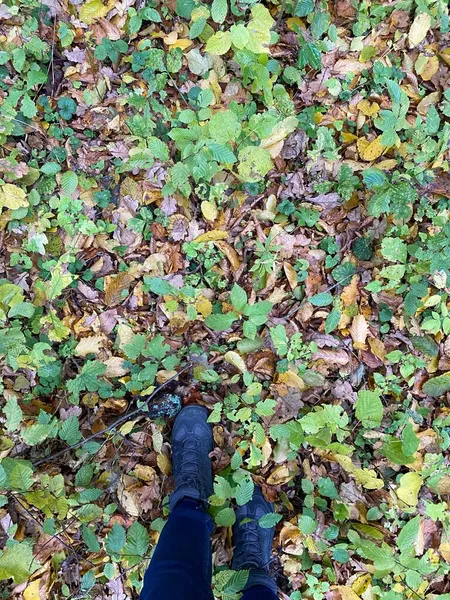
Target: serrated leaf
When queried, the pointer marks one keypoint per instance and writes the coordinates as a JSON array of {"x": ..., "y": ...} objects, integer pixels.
[
  {"x": 69, "y": 182},
  {"x": 12, "y": 196},
  {"x": 219, "y": 43},
  {"x": 225, "y": 517},
  {"x": 220, "y": 322},
  {"x": 322, "y": 299},
  {"x": 84, "y": 475},
  {"x": 13, "y": 414},
  {"x": 222, "y": 154},
  {"x": 236, "y": 582},
  {"x": 369, "y": 408},
  {"x": 20, "y": 477},
  {"x": 115, "y": 540},
  {"x": 222, "y": 489},
  {"x": 136, "y": 545},
  {"x": 17, "y": 561},
  {"x": 437, "y": 386},
  {"x": 70, "y": 430},
  {"x": 219, "y": 9},
  {"x": 28, "y": 108},
  {"x": 244, "y": 492},
  {"x": 269, "y": 520}
]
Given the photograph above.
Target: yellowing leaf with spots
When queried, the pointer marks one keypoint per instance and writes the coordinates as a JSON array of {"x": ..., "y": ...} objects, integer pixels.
[
  {"x": 373, "y": 150},
  {"x": 94, "y": 10},
  {"x": 12, "y": 196},
  {"x": 209, "y": 211},
  {"x": 368, "y": 108},
  {"x": 410, "y": 484}
]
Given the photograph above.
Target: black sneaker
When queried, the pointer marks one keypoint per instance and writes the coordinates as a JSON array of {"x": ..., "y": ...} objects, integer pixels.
[
  {"x": 253, "y": 544},
  {"x": 192, "y": 441}
]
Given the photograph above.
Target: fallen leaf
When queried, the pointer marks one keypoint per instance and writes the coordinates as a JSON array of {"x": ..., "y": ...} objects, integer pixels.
[
  {"x": 408, "y": 491},
  {"x": 419, "y": 29},
  {"x": 358, "y": 331}
]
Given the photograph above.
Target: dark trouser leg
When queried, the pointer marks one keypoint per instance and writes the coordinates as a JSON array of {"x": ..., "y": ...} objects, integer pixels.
[
  {"x": 181, "y": 566},
  {"x": 259, "y": 592}
]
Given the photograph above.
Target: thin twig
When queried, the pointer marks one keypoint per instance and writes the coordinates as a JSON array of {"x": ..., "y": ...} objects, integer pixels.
[{"x": 122, "y": 419}]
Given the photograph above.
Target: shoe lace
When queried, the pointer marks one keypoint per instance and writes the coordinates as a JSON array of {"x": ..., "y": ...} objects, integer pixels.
[
  {"x": 249, "y": 545},
  {"x": 190, "y": 474}
]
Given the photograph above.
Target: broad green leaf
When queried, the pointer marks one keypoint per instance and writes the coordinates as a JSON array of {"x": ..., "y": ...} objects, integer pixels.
[
  {"x": 58, "y": 282},
  {"x": 244, "y": 492},
  {"x": 12, "y": 196},
  {"x": 222, "y": 489},
  {"x": 17, "y": 562},
  {"x": 137, "y": 543},
  {"x": 394, "y": 249},
  {"x": 219, "y": 43},
  {"x": 437, "y": 386},
  {"x": 369, "y": 408},
  {"x": 20, "y": 478},
  {"x": 13, "y": 414},
  {"x": 115, "y": 540},
  {"x": 410, "y": 484},
  {"x": 225, "y": 517},
  {"x": 254, "y": 163},
  {"x": 322, "y": 299},
  {"x": 69, "y": 182},
  {"x": 408, "y": 535},
  {"x": 70, "y": 430},
  {"x": 236, "y": 582},
  {"x": 224, "y": 126},
  {"x": 220, "y": 322},
  {"x": 28, "y": 108},
  {"x": 238, "y": 297},
  {"x": 219, "y": 9},
  {"x": 90, "y": 539},
  {"x": 240, "y": 36},
  {"x": 269, "y": 520}
]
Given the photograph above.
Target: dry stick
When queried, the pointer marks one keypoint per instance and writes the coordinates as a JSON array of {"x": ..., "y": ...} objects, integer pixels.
[{"x": 126, "y": 417}]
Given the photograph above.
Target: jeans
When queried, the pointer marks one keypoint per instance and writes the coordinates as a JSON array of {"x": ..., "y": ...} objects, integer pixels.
[{"x": 181, "y": 567}]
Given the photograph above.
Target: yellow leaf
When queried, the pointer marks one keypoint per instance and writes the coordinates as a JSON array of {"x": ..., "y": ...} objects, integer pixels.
[
  {"x": 204, "y": 306},
  {"x": 209, "y": 211},
  {"x": 145, "y": 473},
  {"x": 114, "y": 367},
  {"x": 291, "y": 379},
  {"x": 164, "y": 464},
  {"x": 387, "y": 165},
  {"x": 32, "y": 591},
  {"x": 291, "y": 275},
  {"x": 88, "y": 345},
  {"x": 233, "y": 358},
  {"x": 359, "y": 330},
  {"x": 348, "y": 137},
  {"x": 410, "y": 484},
  {"x": 281, "y": 475},
  {"x": 445, "y": 55},
  {"x": 94, "y": 10},
  {"x": 373, "y": 150},
  {"x": 346, "y": 592},
  {"x": 12, "y": 196},
  {"x": 183, "y": 44},
  {"x": 230, "y": 253},
  {"x": 368, "y": 108},
  {"x": 366, "y": 477},
  {"x": 361, "y": 583},
  {"x": 419, "y": 29},
  {"x": 212, "y": 236}
]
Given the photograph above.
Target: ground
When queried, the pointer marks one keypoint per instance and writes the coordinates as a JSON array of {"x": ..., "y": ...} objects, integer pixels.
[{"x": 244, "y": 205}]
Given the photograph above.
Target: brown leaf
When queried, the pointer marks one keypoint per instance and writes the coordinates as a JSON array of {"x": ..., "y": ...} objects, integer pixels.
[{"x": 115, "y": 286}]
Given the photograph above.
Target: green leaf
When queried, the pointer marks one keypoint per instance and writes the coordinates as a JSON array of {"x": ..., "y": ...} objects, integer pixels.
[
  {"x": 240, "y": 36},
  {"x": 332, "y": 320},
  {"x": 307, "y": 524},
  {"x": 408, "y": 535},
  {"x": 238, "y": 297},
  {"x": 20, "y": 477},
  {"x": 224, "y": 126},
  {"x": 269, "y": 520},
  {"x": 425, "y": 344},
  {"x": 69, "y": 182},
  {"x": 225, "y": 517},
  {"x": 394, "y": 250},
  {"x": 369, "y": 408},
  {"x": 84, "y": 475},
  {"x": 115, "y": 540},
  {"x": 222, "y": 489},
  {"x": 221, "y": 322},
  {"x": 222, "y": 154},
  {"x": 28, "y": 108},
  {"x": 304, "y": 8},
  {"x": 219, "y": 43},
  {"x": 196, "y": 28},
  {"x": 58, "y": 282},
  {"x": 219, "y": 9},
  {"x": 70, "y": 430},
  {"x": 437, "y": 386},
  {"x": 236, "y": 582},
  {"x": 136, "y": 545},
  {"x": 13, "y": 414},
  {"x": 17, "y": 562},
  {"x": 410, "y": 441},
  {"x": 244, "y": 492},
  {"x": 373, "y": 177},
  {"x": 322, "y": 299},
  {"x": 51, "y": 168},
  {"x": 254, "y": 163}
]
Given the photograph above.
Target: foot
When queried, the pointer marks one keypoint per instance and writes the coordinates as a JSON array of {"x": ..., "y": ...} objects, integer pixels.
[
  {"x": 253, "y": 544},
  {"x": 192, "y": 442}
]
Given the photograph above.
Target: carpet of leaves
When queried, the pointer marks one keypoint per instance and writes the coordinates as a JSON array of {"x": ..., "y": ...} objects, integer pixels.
[{"x": 244, "y": 205}]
